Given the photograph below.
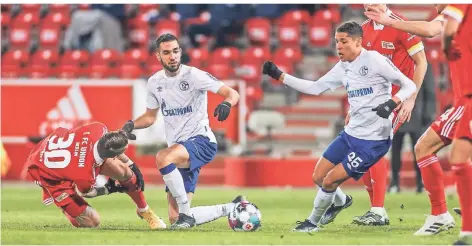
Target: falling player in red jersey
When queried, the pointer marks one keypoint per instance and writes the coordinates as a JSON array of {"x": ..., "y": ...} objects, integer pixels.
[
  {"x": 441, "y": 131},
  {"x": 406, "y": 51},
  {"x": 457, "y": 45},
  {"x": 66, "y": 163}
]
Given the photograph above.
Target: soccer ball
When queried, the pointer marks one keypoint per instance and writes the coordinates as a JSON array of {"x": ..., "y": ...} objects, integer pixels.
[{"x": 245, "y": 216}]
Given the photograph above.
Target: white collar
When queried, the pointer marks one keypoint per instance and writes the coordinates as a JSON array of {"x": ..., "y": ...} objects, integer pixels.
[
  {"x": 378, "y": 26},
  {"x": 363, "y": 50},
  {"x": 98, "y": 160}
]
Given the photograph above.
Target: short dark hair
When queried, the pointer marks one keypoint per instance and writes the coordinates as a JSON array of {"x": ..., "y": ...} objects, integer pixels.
[
  {"x": 166, "y": 37},
  {"x": 112, "y": 144},
  {"x": 351, "y": 28}
]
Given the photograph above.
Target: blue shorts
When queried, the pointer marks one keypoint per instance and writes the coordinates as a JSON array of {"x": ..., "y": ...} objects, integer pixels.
[
  {"x": 356, "y": 155},
  {"x": 201, "y": 151}
]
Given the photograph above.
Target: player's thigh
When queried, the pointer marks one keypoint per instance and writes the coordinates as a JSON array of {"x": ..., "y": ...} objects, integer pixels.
[
  {"x": 430, "y": 143},
  {"x": 333, "y": 155},
  {"x": 322, "y": 168},
  {"x": 462, "y": 143},
  {"x": 176, "y": 154},
  {"x": 173, "y": 208},
  {"x": 335, "y": 177}
]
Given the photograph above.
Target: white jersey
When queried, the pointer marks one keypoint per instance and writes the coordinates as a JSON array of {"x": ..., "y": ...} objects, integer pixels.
[
  {"x": 368, "y": 81},
  {"x": 183, "y": 102}
]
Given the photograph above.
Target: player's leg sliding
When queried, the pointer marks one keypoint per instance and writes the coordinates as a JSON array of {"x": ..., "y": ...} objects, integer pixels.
[
  {"x": 341, "y": 201},
  {"x": 433, "y": 179},
  {"x": 205, "y": 214},
  {"x": 377, "y": 180},
  {"x": 81, "y": 215},
  {"x": 174, "y": 181}
]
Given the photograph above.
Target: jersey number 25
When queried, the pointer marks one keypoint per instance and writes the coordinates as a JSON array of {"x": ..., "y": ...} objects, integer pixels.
[{"x": 58, "y": 150}]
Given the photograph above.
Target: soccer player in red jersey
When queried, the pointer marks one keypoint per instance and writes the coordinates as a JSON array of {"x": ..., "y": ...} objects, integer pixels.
[
  {"x": 457, "y": 45},
  {"x": 66, "y": 163},
  {"x": 406, "y": 51},
  {"x": 443, "y": 129}
]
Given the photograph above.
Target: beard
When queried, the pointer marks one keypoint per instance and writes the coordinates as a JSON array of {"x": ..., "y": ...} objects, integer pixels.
[{"x": 171, "y": 69}]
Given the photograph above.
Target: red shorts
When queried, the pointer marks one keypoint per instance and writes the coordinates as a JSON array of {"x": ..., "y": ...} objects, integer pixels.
[
  {"x": 396, "y": 124},
  {"x": 62, "y": 193},
  {"x": 446, "y": 124},
  {"x": 464, "y": 125}
]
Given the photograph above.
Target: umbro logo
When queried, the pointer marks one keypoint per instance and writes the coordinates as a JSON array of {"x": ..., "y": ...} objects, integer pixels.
[{"x": 159, "y": 89}]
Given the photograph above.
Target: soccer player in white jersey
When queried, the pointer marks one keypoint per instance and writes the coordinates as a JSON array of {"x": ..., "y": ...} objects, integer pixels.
[
  {"x": 180, "y": 92},
  {"x": 367, "y": 77}
]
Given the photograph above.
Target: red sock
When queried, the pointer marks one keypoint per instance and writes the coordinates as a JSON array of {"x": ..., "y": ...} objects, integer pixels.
[
  {"x": 379, "y": 175},
  {"x": 368, "y": 185},
  {"x": 138, "y": 198},
  {"x": 463, "y": 174},
  {"x": 433, "y": 179}
]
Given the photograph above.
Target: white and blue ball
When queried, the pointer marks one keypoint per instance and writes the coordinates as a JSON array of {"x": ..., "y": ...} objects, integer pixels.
[{"x": 245, "y": 216}]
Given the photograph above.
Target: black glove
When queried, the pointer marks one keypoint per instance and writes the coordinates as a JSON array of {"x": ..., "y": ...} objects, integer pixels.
[
  {"x": 139, "y": 176},
  {"x": 127, "y": 128},
  {"x": 385, "y": 109},
  {"x": 272, "y": 70},
  {"x": 222, "y": 111},
  {"x": 112, "y": 187}
]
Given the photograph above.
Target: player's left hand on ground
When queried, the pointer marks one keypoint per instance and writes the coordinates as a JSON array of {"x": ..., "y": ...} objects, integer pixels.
[
  {"x": 222, "y": 111},
  {"x": 128, "y": 128},
  {"x": 405, "y": 110},
  {"x": 385, "y": 109},
  {"x": 139, "y": 177}
]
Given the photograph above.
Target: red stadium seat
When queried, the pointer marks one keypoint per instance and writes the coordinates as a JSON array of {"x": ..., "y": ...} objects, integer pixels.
[
  {"x": 59, "y": 8},
  {"x": 257, "y": 54},
  {"x": 84, "y": 6},
  {"x": 198, "y": 57},
  {"x": 168, "y": 26},
  {"x": 19, "y": 38},
  {"x": 131, "y": 71},
  {"x": 5, "y": 19},
  {"x": 153, "y": 65},
  {"x": 225, "y": 55},
  {"x": 293, "y": 55},
  {"x": 258, "y": 30},
  {"x": 49, "y": 36},
  {"x": 140, "y": 21},
  {"x": 289, "y": 34},
  {"x": 296, "y": 17},
  {"x": 44, "y": 63},
  {"x": 250, "y": 70},
  {"x": 14, "y": 63},
  {"x": 26, "y": 20},
  {"x": 329, "y": 15},
  {"x": 143, "y": 8},
  {"x": 221, "y": 71},
  {"x": 139, "y": 36},
  {"x": 105, "y": 63},
  {"x": 133, "y": 56},
  {"x": 74, "y": 63},
  {"x": 320, "y": 33},
  {"x": 57, "y": 18},
  {"x": 30, "y": 8}
]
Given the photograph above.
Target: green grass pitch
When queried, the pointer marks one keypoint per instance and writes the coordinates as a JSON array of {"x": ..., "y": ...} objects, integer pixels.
[{"x": 25, "y": 220}]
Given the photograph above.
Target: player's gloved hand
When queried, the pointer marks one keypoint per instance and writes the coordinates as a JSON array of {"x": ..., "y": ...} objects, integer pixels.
[
  {"x": 385, "y": 109},
  {"x": 272, "y": 70},
  {"x": 139, "y": 176},
  {"x": 128, "y": 128},
  {"x": 222, "y": 111},
  {"x": 112, "y": 187}
]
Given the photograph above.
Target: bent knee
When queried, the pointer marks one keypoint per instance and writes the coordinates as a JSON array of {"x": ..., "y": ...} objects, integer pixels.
[
  {"x": 317, "y": 179},
  {"x": 329, "y": 184},
  {"x": 163, "y": 158},
  {"x": 88, "y": 219}
]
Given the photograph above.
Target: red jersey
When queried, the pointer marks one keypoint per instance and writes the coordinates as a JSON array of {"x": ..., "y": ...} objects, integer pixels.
[
  {"x": 459, "y": 70},
  {"x": 397, "y": 45},
  {"x": 69, "y": 155}
]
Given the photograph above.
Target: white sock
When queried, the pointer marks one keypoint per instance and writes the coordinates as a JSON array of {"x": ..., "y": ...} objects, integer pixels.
[
  {"x": 322, "y": 202},
  {"x": 142, "y": 210},
  {"x": 379, "y": 211},
  {"x": 205, "y": 214},
  {"x": 339, "y": 198},
  {"x": 175, "y": 183}
]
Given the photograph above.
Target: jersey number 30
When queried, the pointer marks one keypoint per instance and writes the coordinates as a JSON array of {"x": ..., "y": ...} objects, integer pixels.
[{"x": 58, "y": 150}]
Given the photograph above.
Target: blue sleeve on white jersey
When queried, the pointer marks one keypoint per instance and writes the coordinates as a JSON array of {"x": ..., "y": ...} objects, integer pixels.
[{"x": 204, "y": 81}]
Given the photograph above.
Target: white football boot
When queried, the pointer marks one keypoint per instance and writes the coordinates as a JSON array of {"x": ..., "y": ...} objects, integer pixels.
[{"x": 435, "y": 224}]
